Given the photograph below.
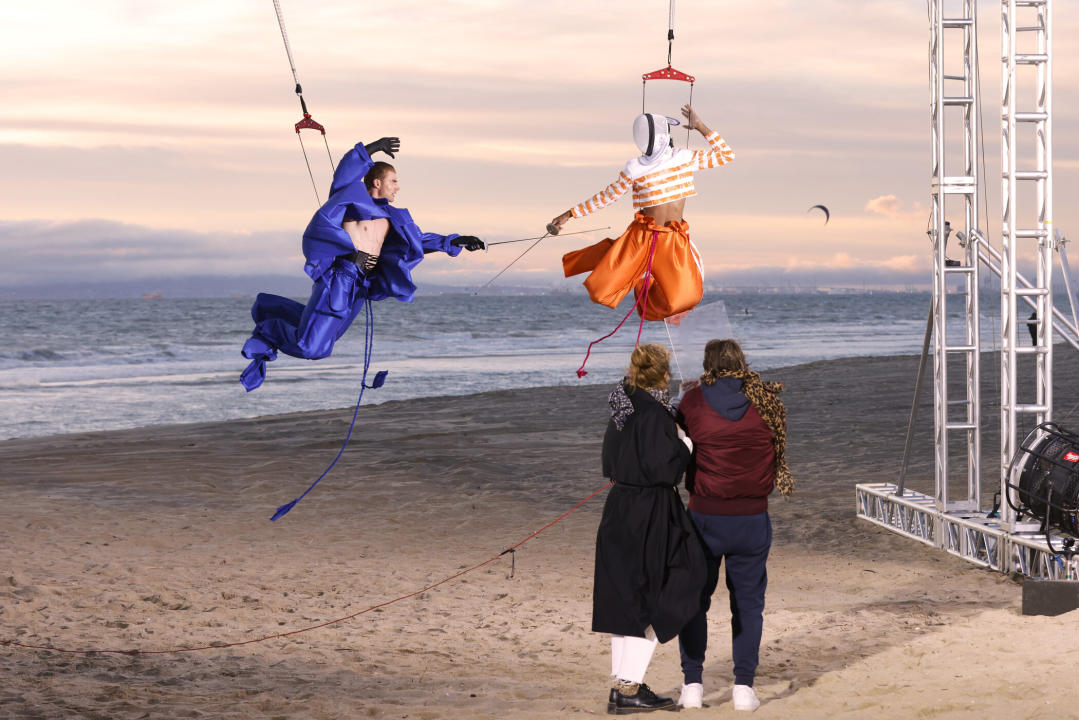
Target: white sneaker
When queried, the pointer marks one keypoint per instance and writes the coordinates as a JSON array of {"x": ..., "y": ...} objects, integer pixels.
[
  {"x": 745, "y": 698},
  {"x": 692, "y": 696}
]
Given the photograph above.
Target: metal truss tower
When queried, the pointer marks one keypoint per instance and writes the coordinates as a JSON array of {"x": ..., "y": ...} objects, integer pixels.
[
  {"x": 1027, "y": 222},
  {"x": 962, "y": 527},
  {"x": 954, "y": 101}
]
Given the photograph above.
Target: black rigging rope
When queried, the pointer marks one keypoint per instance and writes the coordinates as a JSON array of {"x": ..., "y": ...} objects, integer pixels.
[{"x": 670, "y": 35}]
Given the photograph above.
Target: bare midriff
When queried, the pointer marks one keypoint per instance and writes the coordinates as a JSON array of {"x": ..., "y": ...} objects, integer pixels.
[
  {"x": 367, "y": 235},
  {"x": 666, "y": 212}
]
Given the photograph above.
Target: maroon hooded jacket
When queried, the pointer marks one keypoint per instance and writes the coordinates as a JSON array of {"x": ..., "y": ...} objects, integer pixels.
[{"x": 733, "y": 468}]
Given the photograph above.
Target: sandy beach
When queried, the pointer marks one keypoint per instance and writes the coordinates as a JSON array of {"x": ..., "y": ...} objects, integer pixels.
[{"x": 158, "y": 539}]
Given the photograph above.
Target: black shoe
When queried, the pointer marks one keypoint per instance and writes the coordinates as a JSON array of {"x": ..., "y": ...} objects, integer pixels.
[
  {"x": 951, "y": 263},
  {"x": 644, "y": 700}
]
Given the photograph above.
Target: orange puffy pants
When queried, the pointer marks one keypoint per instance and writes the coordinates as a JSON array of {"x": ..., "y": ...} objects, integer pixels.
[{"x": 618, "y": 265}]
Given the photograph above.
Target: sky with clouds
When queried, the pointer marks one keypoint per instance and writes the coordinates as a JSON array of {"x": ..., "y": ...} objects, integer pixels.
[{"x": 149, "y": 138}]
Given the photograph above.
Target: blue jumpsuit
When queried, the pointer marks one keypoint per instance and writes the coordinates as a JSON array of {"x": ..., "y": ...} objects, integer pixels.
[{"x": 340, "y": 288}]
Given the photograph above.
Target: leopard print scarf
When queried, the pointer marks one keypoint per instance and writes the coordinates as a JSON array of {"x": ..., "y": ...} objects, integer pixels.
[{"x": 765, "y": 397}]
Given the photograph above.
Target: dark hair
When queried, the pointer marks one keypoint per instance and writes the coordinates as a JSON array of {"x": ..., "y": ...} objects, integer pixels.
[
  {"x": 722, "y": 355},
  {"x": 649, "y": 367},
  {"x": 377, "y": 172}
]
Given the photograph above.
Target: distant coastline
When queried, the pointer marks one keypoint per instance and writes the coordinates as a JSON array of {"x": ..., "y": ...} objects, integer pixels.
[{"x": 300, "y": 286}]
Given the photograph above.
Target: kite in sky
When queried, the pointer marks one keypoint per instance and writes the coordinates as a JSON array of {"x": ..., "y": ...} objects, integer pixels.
[{"x": 827, "y": 215}]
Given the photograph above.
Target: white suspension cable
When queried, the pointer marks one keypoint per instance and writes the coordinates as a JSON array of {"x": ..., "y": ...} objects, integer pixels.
[{"x": 284, "y": 37}]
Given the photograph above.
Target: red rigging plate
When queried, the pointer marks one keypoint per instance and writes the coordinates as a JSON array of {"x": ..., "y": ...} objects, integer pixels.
[
  {"x": 668, "y": 73},
  {"x": 308, "y": 124}
]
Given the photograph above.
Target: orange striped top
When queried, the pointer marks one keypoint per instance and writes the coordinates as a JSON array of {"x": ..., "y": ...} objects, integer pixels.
[{"x": 666, "y": 182}]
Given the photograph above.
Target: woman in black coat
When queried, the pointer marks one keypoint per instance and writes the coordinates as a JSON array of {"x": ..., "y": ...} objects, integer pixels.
[{"x": 650, "y": 567}]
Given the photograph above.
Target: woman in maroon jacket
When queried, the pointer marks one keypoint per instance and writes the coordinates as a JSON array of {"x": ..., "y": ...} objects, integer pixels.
[{"x": 738, "y": 428}]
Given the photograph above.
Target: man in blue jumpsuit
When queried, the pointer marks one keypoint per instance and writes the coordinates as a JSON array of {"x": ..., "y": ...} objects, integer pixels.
[{"x": 358, "y": 247}]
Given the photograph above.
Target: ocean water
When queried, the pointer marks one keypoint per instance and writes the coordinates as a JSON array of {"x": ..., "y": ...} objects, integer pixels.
[{"x": 79, "y": 365}]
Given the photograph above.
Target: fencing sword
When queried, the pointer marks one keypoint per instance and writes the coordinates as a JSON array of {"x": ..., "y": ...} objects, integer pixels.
[{"x": 552, "y": 229}]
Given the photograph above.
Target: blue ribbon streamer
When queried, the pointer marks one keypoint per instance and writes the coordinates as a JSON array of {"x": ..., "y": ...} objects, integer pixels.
[{"x": 380, "y": 378}]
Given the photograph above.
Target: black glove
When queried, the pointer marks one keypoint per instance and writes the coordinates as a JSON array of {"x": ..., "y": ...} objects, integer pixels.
[
  {"x": 388, "y": 145},
  {"x": 468, "y": 242}
]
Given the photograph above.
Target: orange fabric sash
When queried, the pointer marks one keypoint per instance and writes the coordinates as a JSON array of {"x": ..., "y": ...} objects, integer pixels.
[{"x": 617, "y": 266}]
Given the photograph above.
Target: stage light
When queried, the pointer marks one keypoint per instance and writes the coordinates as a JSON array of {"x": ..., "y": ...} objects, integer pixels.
[{"x": 1047, "y": 465}]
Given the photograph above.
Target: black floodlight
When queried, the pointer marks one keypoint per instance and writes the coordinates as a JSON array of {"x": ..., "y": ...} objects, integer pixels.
[{"x": 1047, "y": 466}]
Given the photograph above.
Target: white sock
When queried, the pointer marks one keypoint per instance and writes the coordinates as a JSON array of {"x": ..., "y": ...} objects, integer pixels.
[{"x": 636, "y": 656}]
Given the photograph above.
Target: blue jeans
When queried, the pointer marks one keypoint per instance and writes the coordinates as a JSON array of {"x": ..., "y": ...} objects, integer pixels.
[{"x": 742, "y": 541}]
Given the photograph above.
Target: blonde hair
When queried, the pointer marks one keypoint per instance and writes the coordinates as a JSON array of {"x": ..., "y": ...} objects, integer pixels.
[
  {"x": 649, "y": 367},
  {"x": 720, "y": 355}
]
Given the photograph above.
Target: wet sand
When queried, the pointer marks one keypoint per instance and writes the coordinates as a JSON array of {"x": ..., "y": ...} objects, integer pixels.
[{"x": 158, "y": 538}]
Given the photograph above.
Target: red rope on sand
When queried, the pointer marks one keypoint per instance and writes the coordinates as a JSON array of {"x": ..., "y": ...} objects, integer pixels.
[
  {"x": 642, "y": 301},
  {"x": 219, "y": 646}
]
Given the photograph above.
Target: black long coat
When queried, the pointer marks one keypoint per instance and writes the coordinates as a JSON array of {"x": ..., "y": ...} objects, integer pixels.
[{"x": 650, "y": 566}]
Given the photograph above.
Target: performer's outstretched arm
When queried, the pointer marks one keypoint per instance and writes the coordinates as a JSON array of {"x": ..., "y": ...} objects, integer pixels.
[
  {"x": 720, "y": 152},
  {"x": 450, "y": 244},
  {"x": 600, "y": 200}
]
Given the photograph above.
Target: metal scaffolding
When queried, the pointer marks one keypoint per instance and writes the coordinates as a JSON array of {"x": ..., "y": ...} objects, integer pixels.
[
  {"x": 961, "y": 526},
  {"x": 1027, "y": 223},
  {"x": 954, "y": 102},
  {"x": 1065, "y": 324}
]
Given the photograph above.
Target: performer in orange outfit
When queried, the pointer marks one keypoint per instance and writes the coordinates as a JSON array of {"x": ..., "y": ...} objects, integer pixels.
[{"x": 656, "y": 243}]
